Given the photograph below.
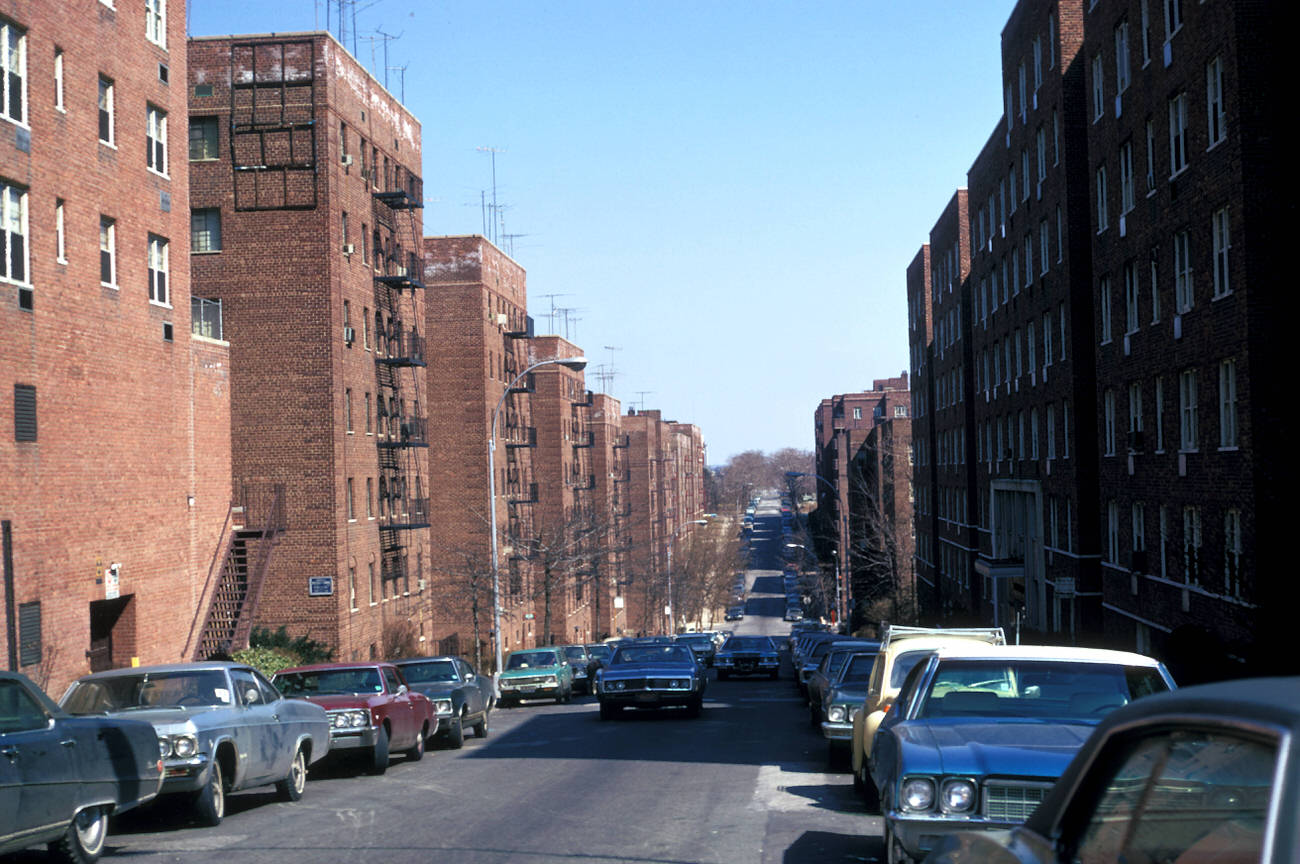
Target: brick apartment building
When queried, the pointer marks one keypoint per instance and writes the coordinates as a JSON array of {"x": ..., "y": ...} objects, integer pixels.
[
  {"x": 920, "y": 345},
  {"x": 305, "y": 226},
  {"x": 476, "y": 312},
  {"x": 114, "y": 485},
  {"x": 882, "y": 580},
  {"x": 609, "y": 507},
  {"x": 1178, "y": 111}
]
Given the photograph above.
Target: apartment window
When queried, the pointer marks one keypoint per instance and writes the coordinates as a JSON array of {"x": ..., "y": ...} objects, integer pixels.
[
  {"x": 1151, "y": 156},
  {"x": 1020, "y": 435},
  {"x": 13, "y": 63},
  {"x": 351, "y": 510},
  {"x": 373, "y": 594},
  {"x": 1164, "y": 541},
  {"x": 58, "y": 79},
  {"x": 1146, "y": 32},
  {"x": 1006, "y": 282},
  {"x": 1024, "y": 174},
  {"x": 1173, "y": 18},
  {"x": 1103, "y": 295},
  {"x": 107, "y": 252},
  {"x": 1060, "y": 235},
  {"x": 857, "y": 413},
  {"x": 1051, "y": 431},
  {"x": 155, "y": 149},
  {"x": 1021, "y": 80},
  {"x": 1131, "y": 291},
  {"x": 1019, "y": 367},
  {"x": 1187, "y": 409},
  {"x": 1192, "y": 545},
  {"x": 1061, "y": 310},
  {"x": 1155, "y": 290},
  {"x": 1112, "y": 531},
  {"x": 1038, "y": 63},
  {"x": 205, "y": 230},
  {"x": 1108, "y": 403},
  {"x": 1044, "y": 247},
  {"x": 1033, "y": 433},
  {"x": 60, "y": 237},
  {"x": 1126, "y": 194},
  {"x": 1029, "y": 259},
  {"x": 343, "y": 142},
  {"x": 1065, "y": 429},
  {"x": 1217, "y": 119},
  {"x": 1011, "y": 181},
  {"x": 1056, "y": 138},
  {"x": 24, "y": 412},
  {"x": 347, "y": 409},
  {"x": 365, "y": 327},
  {"x": 1007, "y": 108},
  {"x": 203, "y": 138},
  {"x": 1098, "y": 88},
  {"x": 106, "y": 111},
  {"x": 1051, "y": 41},
  {"x": 1177, "y": 135},
  {"x": 1160, "y": 414},
  {"x": 370, "y": 429},
  {"x": 344, "y": 222},
  {"x": 13, "y": 233},
  {"x": 155, "y": 22},
  {"x": 1121, "y": 56},
  {"x": 1103, "y": 219},
  {"x": 1228, "y": 403},
  {"x": 157, "y": 270},
  {"x": 1029, "y": 342},
  {"x": 1219, "y": 230},
  {"x": 1139, "y": 526},
  {"x": 1047, "y": 339},
  {"x": 365, "y": 250},
  {"x": 1006, "y": 360},
  {"x": 1232, "y": 552},
  {"x": 1182, "y": 272},
  {"x": 370, "y": 497},
  {"x": 1015, "y": 271},
  {"x": 1135, "y": 407}
]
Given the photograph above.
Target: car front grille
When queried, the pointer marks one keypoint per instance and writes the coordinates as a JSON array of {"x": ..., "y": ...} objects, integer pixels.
[
  {"x": 526, "y": 681},
  {"x": 683, "y": 684},
  {"x": 1012, "y": 800}
]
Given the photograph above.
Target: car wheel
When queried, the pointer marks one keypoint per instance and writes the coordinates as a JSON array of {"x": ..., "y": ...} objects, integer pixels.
[
  {"x": 291, "y": 787},
  {"x": 379, "y": 753},
  {"x": 83, "y": 842},
  {"x": 481, "y": 727},
  {"x": 867, "y": 786},
  {"x": 210, "y": 801},
  {"x": 416, "y": 753},
  {"x": 456, "y": 732}
]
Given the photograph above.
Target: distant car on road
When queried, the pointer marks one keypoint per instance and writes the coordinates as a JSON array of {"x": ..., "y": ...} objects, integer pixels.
[
  {"x": 747, "y": 655},
  {"x": 702, "y": 644},
  {"x": 462, "y": 698},
  {"x": 61, "y": 777},
  {"x": 735, "y": 613},
  {"x": 651, "y": 676},
  {"x": 583, "y": 665},
  {"x": 535, "y": 673}
]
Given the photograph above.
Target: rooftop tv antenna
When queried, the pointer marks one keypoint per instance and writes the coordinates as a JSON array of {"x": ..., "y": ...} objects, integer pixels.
[
  {"x": 641, "y": 394},
  {"x": 493, "y": 151},
  {"x": 510, "y": 242},
  {"x": 550, "y": 316},
  {"x": 611, "y": 368}
]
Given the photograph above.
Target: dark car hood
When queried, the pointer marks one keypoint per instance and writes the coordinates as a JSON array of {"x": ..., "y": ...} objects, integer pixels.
[
  {"x": 340, "y": 701},
  {"x": 534, "y": 670},
  {"x": 434, "y": 689},
  {"x": 646, "y": 670},
  {"x": 981, "y": 747}
]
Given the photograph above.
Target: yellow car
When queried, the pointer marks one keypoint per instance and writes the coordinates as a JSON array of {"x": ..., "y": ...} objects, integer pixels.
[{"x": 901, "y": 648}]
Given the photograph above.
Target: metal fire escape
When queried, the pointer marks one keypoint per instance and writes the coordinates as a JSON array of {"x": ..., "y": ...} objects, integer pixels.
[
  {"x": 273, "y": 124},
  {"x": 400, "y": 349},
  {"x": 520, "y": 437}
]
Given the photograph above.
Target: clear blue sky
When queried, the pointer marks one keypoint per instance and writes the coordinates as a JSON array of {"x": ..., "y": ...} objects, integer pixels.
[{"x": 729, "y": 192}]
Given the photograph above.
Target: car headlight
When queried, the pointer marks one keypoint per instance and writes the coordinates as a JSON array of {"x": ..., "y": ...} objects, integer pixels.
[
  {"x": 616, "y": 685},
  {"x": 918, "y": 793},
  {"x": 837, "y": 713},
  {"x": 769, "y": 656},
  {"x": 443, "y": 706},
  {"x": 184, "y": 746},
  {"x": 958, "y": 796},
  {"x": 551, "y": 679},
  {"x": 164, "y": 746},
  {"x": 349, "y": 719}
]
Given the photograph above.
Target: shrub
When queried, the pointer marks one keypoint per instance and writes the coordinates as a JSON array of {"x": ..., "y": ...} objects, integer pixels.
[{"x": 268, "y": 661}]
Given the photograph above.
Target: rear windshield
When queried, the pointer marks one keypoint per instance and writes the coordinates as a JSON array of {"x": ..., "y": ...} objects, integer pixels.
[
  {"x": 748, "y": 643},
  {"x": 859, "y": 669},
  {"x": 1035, "y": 688}
]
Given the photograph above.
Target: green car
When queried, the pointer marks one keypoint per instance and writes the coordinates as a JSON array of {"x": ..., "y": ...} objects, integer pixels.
[{"x": 537, "y": 673}]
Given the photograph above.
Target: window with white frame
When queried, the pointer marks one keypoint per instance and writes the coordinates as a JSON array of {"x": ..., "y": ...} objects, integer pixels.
[
  {"x": 1160, "y": 414},
  {"x": 106, "y": 111},
  {"x": 1061, "y": 310},
  {"x": 158, "y": 270},
  {"x": 1060, "y": 235},
  {"x": 13, "y": 234},
  {"x": 1024, "y": 107},
  {"x": 1044, "y": 246},
  {"x": 1051, "y": 431},
  {"x": 1173, "y": 18},
  {"x": 1232, "y": 552},
  {"x": 1024, "y": 174},
  {"x": 1127, "y": 197},
  {"x": 1155, "y": 288},
  {"x": 1131, "y": 291},
  {"x": 107, "y": 252},
  {"x": 1121, "y": 56},
  {"x": 155, "y": 22},
  {"x": 58, "y": 79},
  {"x": 1020, "y": 435},
  {"x": 1222, "y": 243},
  {"x": 1015, "y": 271},
  {"x": 1216, "y": 117},
  {"x": 1033, "y": 433},
  {"x": 1112, "y": 531},
  {"x": 1029, "y": 343},
  {"x": 1138, "y": 536},
  {"x": 1135, "y": 407},
  {"x": 1065, "y": 428},
  {"x": 1164, "y": 541},
  {"x": 1047, "y": 339},
  {"x": 1103, "y": 299},
  {"x": 1146, "y": 32},
  {"x": 1011, "y": 182},
  {"x": 1187, "y": 410},
  {"x": 60, "y": 238},
  {"x": 1098, "y": 88},
  {"x": 205, "y": 229},
  {"x": 1192, "y": 545},
  {"x": 1177, "y": 135},
  {"x": 155, "y": 142},
  {"x": 13, "y": 65},
  {"x": 1151, "y": 156},
  {"x": 1183, "y": 297},
  {"x": 1038, "y": 63},
  {"x": 1103, "y": 219},
  {"x": 1228, "y": 403},
  {"x": 1108, "y": 405}
]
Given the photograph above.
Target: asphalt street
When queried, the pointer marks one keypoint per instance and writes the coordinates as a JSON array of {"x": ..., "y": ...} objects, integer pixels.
[{"x": 746, "y": 782}]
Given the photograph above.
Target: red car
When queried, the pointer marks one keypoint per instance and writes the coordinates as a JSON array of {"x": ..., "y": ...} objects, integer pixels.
[{"x": 370, "y": 707}]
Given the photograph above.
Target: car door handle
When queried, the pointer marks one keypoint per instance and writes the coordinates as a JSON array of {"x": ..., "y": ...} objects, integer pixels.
[
  {"x": 10, "y": 751},
  {"x": 275, "y": 717},
  {"x": 69, "y": 742}
]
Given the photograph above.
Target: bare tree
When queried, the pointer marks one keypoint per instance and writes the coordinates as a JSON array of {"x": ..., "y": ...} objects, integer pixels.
[
  {"x": 703, "y": 572},
  {"x": 468, "y": 572},
  {"x": 880, "y": 587},
  {"x": 564, "y": 556}
]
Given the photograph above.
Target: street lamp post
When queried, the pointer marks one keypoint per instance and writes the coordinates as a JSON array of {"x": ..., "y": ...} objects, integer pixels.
[
  {"x": 575, "y": 363},
  {"x": 841, "y": 596}
]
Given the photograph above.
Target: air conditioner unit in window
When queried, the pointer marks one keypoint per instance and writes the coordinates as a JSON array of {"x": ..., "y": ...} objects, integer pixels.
[
  {"x": 346, "y": 160},
  {"x": 349, "y": 335},
  {"x": 349, "y": 248},
  {"x": 502, "y": 319}
]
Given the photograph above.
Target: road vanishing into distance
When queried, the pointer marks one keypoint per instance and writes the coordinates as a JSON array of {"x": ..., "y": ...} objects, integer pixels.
[{"x": 746, "y": 782}]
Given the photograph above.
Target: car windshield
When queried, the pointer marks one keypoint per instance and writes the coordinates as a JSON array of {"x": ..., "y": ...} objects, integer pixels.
[
  {"x": 575, "y": 652},
  {"x": 858, "y": 669},
  {"x": 652, "y": 654},
  {"x": 600, "y": 652},
  {"x": 696, "y": 640},
  {"x": 748, "y": 643},
  {"x": 903, "y": 664},
  {"x": 1035, "y": 688},
  {"x": 432, "y": 672},
  {"x": 323, "y": 682},
  {"x": 184, "y": 689},
  {"x": 531, "y": 660}
]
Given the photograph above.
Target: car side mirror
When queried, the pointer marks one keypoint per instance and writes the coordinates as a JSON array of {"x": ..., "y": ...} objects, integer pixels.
[
  {"x": 402, "y": 690},
  {"x": 469, "y": 676},
  {"x": 251, "y": 696}
]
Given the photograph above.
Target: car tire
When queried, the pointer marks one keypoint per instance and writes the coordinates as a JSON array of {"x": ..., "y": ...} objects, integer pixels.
[
  {"x": 83, "y": 842},
  {"x": 416, "y": 752},
  {"x": 456, "y": 732},
  {"x": 867, "y": 786},
  {"x": 210, "y": 801},
  {"x": 292, "y": 787},
  {"x": 379, "y": 753},
  {"x": 481, "y": 727}
]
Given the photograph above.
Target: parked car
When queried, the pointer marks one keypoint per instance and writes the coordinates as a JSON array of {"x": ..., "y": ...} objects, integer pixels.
[
  {"x": 979, "y": 733},
  {"x": 651, "y": 676},
  {"x": 1201, "y": 774},
  {"x": 812, "y": 658},
  {"x": 747, "y": 655},
  {"x": 221, "y": 727},
  {"x": 600, "y": 652},
  {"x": 535, "y": 673},
  {"x": 702, "y": 644},
  {"x": 582, "y": 666},
  {"x": 462, "y": 698},
  {"x": 61, "y": 777},
  {"x": 842, "y": 695},
  {"x": 793, "y": 613},
  {"x": 821, "y": 679},
  {"x": 735, "y": 613},
  {"x": 901, "y": 648},
  {"x": 370, "y": 706}
]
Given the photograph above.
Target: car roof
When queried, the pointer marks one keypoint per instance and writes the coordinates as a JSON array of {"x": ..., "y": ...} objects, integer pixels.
[
  {"x": 210, "y": 665},
  {"x": 972, "y": 649},
  {"x": 407, "y": 661},
  {"x": 330, "y": 667}
]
